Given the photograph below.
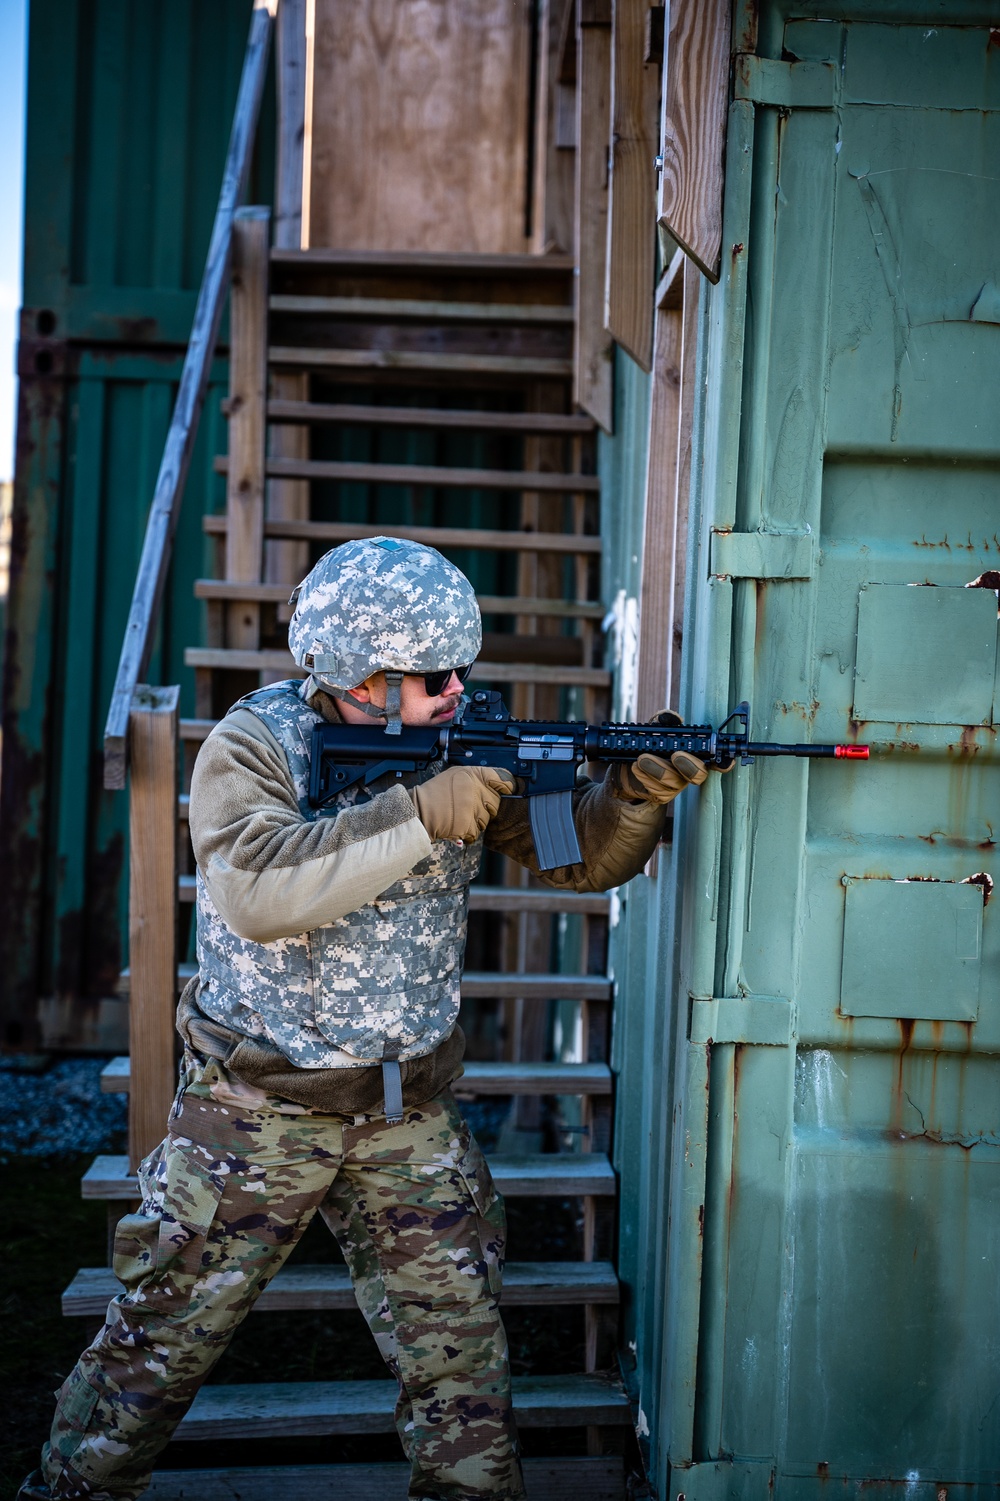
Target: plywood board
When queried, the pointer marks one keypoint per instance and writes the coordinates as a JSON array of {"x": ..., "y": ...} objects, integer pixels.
[
  {"x": 631, "y": 261},
  {"x": 694, "y": 128},
  {"x": 419, "y": 122},
  {"x": 592, "y": 382}
]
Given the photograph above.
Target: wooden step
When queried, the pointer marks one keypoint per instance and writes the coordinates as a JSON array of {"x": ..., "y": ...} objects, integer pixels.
[
  {"x": 503, "y": 422},
  {"x": 478, "y": 1079},
  {"x": 435, "y": 536},
  {"x": 274, "y": 659},
  {"x": 476, "y": 986},
  {"x": 328, "y": 1287},
  {"x": 513, "y": 366},
  {"x": 516, "y": 264},
  {"x": 421, "y": 309},
  {"x": 297, "y": 1409},
  {"x": 441, "y": 476},
  {"x": 195, "y": 730},
  {"x": 537, "y": 899},
  {"x": 561, "y": 1478},
  {"x": 492, "y": 899},
  {"x": 185, "y": 972},
  {"x": 550, "y": 1175},
  {"x": 490, "y": 604}
]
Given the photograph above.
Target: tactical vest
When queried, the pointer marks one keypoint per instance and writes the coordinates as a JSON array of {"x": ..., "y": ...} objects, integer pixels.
[{"x": 381, "y": 982}]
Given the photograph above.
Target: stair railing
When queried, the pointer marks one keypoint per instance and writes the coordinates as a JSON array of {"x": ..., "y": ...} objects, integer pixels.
[{"x": 161, "y": 525}]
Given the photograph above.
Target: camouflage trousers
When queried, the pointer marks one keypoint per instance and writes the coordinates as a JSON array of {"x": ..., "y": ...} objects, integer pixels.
[{"x": 225, "y": 1198}]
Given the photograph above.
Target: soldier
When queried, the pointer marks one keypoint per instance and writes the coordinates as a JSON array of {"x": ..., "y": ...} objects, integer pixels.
[{"x": 320, "y": 1039}]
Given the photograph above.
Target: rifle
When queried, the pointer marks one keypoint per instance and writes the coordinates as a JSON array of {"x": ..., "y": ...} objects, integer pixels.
[{"x": 542, "y": 754}]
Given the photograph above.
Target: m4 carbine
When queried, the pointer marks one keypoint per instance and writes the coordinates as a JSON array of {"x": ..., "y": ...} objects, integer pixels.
[{"x": 542, "y": 754}]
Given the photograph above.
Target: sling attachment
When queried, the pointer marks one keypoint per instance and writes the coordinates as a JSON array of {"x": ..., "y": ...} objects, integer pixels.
[{"x": 392, "y": 1085}]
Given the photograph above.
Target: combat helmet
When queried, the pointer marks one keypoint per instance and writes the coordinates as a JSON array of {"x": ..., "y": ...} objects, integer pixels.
[{"x": 380, "y": 604}]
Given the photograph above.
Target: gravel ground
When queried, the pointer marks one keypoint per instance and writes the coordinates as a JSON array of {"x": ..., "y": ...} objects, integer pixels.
[{"x": 59, "y": 1109}]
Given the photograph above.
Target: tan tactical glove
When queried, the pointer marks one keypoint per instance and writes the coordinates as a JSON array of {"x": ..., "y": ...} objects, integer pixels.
[
  {"x": 460, "y": 801},
  {"x": 652, "y": 779}
]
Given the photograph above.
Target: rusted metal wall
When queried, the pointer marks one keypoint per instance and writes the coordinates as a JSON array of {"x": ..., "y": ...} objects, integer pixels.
[
  {"x": 810, "y": 1255},
  {"x": 129, "y": 108}
]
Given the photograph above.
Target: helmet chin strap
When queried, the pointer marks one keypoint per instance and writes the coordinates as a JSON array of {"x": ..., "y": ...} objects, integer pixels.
[{"x": 392, "y": 711}]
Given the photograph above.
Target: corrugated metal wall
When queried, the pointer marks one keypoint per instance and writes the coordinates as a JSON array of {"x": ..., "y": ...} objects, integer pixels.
[
  {"x": 129, "y": 108},
  {"x": 807, "y": 1020}
]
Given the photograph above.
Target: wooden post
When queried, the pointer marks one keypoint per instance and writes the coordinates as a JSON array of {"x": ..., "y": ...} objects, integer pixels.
[
  {"x": 592, "y": 383},
  {"x": 291, "y": 70},
  {"x": 288, "y": 499},
  {"x": 630, "y": 269},
  {"x": 152, "y": 915},
  {"x": 247, "y": 419},
  {"x": 660, "y": 539}
]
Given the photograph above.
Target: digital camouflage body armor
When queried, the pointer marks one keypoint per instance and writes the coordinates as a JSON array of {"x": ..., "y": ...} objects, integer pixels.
[{"x": 381, "y": 982}]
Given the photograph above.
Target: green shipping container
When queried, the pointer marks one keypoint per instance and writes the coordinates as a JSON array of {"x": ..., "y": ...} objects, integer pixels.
[
  {"x": 128, "y": 117},
  {"x": 808, "y": 997}
]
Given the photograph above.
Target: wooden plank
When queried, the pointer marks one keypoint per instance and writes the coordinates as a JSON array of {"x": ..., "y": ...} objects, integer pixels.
[
  {"x": 425, "y": 97},
  {"x": 438, "y": 475},
  {"x": 553, "y": 1175},
  {"x": 498, "y": 604},
  {"x": 592, "y": 376},
  {"x": 423, "y": 309},
  {"x": 660, "y": 540},
  {"x": 152, "y": 913},
  {"x": 670, "y": 287},
  {"x": 489, "y": 604},
  {"x": 693, "y": 285},
  {"x": 558, "y": 1479},
  {"x": 536, "y": 899},
  {"x": 478, "y": 985},
  {"x": 532, "y": 267},
  {"x": 116, "y": 1075},
  {"x": 247, "y": 422},
  {"x": 196, "y": 729},
  {"x": 415, "y": 359},
  {"x": 278, "y": 660},
  {"x": 298, "y": 1408},
  {"x": 631, "y": 261},
  {"x": 185, "y": 972},
  {"x": 695, "y": 101},
  {"x": 555, "y": 128},
  {"x": 328, "y": 1287},
  {"x": 478, "y": 1079},
  {"x": 505, "y": 422},
  {"x": 527, "y": 1078},
  {"x": 290, "y": 67},
  {"x": 435, "y": 536},
  {"x": 163, "y": 512}
]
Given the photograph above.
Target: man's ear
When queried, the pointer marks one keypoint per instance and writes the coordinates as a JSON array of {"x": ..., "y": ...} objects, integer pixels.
[{"x": 363, "y": 692}]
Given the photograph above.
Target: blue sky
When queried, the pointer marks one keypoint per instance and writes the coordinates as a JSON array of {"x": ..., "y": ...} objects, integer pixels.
[{"x": 13, "y": 16}]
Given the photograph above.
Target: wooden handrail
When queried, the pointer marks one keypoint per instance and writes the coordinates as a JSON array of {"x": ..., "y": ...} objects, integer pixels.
[{"x": 165, "y": 507}]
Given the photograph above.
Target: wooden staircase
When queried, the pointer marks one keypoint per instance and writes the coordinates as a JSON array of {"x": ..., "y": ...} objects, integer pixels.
[{"x": 428, "y": 397}]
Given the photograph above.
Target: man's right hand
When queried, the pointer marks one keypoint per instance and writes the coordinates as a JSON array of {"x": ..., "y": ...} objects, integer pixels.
[{"x": 460, "y": 801}]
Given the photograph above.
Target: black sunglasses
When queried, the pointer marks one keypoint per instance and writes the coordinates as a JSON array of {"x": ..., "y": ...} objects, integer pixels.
[{"x": 434, "y": 682}]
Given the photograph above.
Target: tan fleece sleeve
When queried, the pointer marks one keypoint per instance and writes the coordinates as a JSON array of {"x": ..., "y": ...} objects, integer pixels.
[
  {"x": 616, "y": 838},
  {"x": 272, "y": 873}
]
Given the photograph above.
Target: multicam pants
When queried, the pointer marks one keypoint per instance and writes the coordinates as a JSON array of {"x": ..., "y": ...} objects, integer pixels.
[{"x": 225, "y": 1198}]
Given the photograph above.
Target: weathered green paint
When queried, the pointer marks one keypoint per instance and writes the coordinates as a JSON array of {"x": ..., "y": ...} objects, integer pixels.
[
  {"x": 128, "y": 114},
  {"x": 823, "y": 1308}
]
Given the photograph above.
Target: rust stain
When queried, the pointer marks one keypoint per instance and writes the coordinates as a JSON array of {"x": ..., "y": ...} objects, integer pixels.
[
  {"x": 823, "y": 1469},
  {"x": 984, "y": 881}
]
